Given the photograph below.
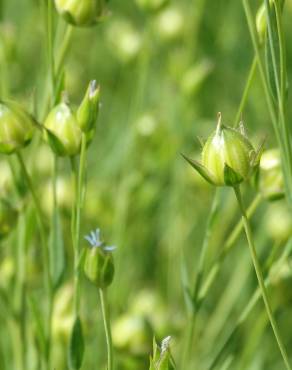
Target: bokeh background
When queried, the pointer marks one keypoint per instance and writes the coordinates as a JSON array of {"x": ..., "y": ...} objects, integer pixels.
[{"x": 164, "y": 75}]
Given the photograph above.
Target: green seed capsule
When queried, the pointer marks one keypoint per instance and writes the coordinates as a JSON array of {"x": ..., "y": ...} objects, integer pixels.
[
  {"x": 228, "y": 157},
  {"x": 80, "y": 12},
  {"x": 88, "y": 110},
  {"x": 270, "y": 176},
  {"x": 99, "y": 267},
  {"x": 62, "y": 131},
  {"x": 8, "y": 218},
  {"x": 98, "y": 262},
  {"x": 16, "y": 127}
]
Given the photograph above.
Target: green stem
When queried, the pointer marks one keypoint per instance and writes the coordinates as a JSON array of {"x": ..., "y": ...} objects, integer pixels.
[
  {"x": 250, "y": 305},
  {"x": 230, "y": 242},
  {"x": 76, "y": 218},
  {"x": 249, "y": 81},
  {"x": 107, "y": 328},
  {"x": 50, "y": 43},
  {"x": 46, "y": 256},
  {"x": 21, "y": 291},
  {"x": 260, "y": 278},
  {"x": 198, "y": 280}
]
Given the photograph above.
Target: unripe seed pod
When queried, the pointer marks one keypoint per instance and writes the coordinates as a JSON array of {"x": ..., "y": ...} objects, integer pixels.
[
  {"x": 16, "y": 127},
  {"x": 98, "y": 262},
  {"x": 8, "y": 218},
  {"x": 80, "y": 12},
  {"x": 270, "y": 176},
  {"x": 88, "y": 110},
  {"x": 62, "y": 131},
  {"x": 228, "y": 157}
]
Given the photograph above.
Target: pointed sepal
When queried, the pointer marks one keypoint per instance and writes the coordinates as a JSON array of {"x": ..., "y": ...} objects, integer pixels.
[
  {"x": 202, "y": 170},
  {"x": 231, "y": 177}
]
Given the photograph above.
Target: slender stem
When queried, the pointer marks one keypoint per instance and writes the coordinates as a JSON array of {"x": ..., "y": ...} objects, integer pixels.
[
  {"x": 21, "y": 290},
  {"x": 250, "y": 305},
  {"x": 198, "y": 280},
  {"x": 107, "y": 328},
  {"x": 46, "y": 256},
  {"x": 249, "y": 81},
  {"x": 76, "y": 218},
  {"x": 260, "y": 278},
  {"x": 50, "y": 43}
]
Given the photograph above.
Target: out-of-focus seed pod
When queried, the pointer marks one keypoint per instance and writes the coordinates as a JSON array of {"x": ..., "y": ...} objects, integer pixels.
[
  {"x": 151, "y": 5},
  {"x": 63, "y": 317},
  {"x": 124, "y": 40},
  {"x": 228, "y": 157},
  {"x": 8, "y": 218},
  {"x": 278, "y": 222},
  {"x": 7, "y": 271},
  {"x": 16, "y": 127},
  {"x": 98, "y": 261},
  {"x": 80, "y": 12},
  {"x": 62, "y": 131},
  {"x": 270, "y": 176},
  {"x": 170, "y": 24},
  {"x": 87, "y": 112},
  {"x": 195, "y": 76},
  {"x": 132, "y": 334}
]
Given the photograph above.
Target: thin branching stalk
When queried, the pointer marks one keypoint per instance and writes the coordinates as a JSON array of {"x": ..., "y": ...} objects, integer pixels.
[{"x": 260, "y": 278}]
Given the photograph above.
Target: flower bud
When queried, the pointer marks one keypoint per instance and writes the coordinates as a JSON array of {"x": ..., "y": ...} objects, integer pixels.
[
  {"x": 8, "y": 218},
  {"x": 88, "y": 110},
  {"x": 270, "y": 176},
  {"x": 80, "y": 12},
  {"x": 162, "y": 359},
  {"x": 16, "y": 127},
  {"x": 228, "y": 157},
  {"x": 62, "y": 131},
  {"x": 98, "y": 263}
]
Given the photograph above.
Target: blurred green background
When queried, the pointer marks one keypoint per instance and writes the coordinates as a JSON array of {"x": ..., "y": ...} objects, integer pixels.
[{"x": 164, "y": 75}]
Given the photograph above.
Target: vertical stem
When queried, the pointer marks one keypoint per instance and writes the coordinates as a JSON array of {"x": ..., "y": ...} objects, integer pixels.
[
  {"x": 249, "y": 81},
  {"x": 50, "y": 43},
  {"x": 107, "y": 328},
  {"x": 260, "y": 278},
  {"x": 76, "y": 218},
  {"x": 46, "y": 256},
  {"x": 198, "y": 280},
  {"x": 21, "y": 309}
]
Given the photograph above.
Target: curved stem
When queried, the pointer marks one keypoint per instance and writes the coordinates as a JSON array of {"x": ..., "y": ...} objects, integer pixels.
[
  {"x": 107, "y": 328},
  {"x": 260, "y": 278}
]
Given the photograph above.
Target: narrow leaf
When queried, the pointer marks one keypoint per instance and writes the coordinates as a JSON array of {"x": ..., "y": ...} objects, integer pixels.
[
  {"x": 76, "y": 346},
  {"x": 272, "y": 51}
]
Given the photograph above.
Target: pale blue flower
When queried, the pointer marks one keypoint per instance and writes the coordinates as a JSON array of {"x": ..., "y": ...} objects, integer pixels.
[{"x": 94, "y": 240}]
